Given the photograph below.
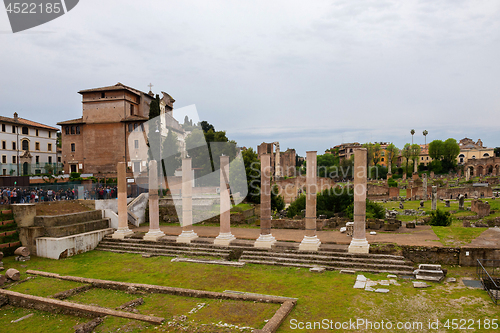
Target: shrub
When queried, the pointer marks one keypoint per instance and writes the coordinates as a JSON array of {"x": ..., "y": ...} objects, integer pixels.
[
  {"x": 392, "y": 183},
  {"x": 440, "y": 218},
  {"x": 373, "y": 210}
]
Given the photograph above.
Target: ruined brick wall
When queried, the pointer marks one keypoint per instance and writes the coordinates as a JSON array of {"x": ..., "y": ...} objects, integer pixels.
[{"x": 481, "y": 208}]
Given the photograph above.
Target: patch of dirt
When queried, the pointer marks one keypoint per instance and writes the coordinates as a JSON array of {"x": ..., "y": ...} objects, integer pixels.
[{"x": 60, "y": 208}]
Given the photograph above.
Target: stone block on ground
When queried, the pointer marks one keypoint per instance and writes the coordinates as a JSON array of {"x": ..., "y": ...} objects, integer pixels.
[
  {"x": 317, "y": 269},
  {"x": 22, "y": 251},
  {"x": 384, "y": 283},
  {"x": 392, "y": 276},
  {"x": 451, "y": 280},
  {"x": 370, "y": 283},
  {"x": 417, "y": 284},
  {"x": 361, "y": 278},
  {"x": 359, "y": 285},
  {"x": 347, "y": 271},
  {"x": 13, "y": 274},
  {"x": 367, "y": 288},
  {"x": 382, "y": 290}
]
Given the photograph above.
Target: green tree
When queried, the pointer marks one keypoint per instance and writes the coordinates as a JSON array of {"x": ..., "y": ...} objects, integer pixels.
[
  {"x": 415, "y": 153},
  {"x": 412, "y": 132},
  {"x": 154, "y": 108},
  {"x": 392, "y": 153},
  {"x": 406, "y": 153},
  {"x": 377, "y": 149},
  {"x": 171, "y": 156},
  {"x": 206, "y": 126},
  {"x": 369, "y": 153},
  {"x": 425, "y": 132},
  {"x": 446, "y": 152},
  {"x": 252, "y": 170}
]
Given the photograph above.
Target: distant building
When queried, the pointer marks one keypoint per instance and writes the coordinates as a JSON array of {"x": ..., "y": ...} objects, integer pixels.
[
  {"x": 344, "y": 150},
  {"x": 27, "y": 147},
  {"x": 424, "y": 157},
  {"x": 282, "y": 163},
  {"x": 470, "y": 150}
]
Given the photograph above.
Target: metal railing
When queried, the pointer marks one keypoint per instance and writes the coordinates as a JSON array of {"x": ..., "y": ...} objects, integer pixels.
[{"x": 490, "y": 280}]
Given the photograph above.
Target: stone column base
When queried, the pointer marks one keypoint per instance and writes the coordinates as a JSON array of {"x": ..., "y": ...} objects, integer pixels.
[
  {"x": 122, "y": 233},
  {"x": 186, "y": 236},
  {"x": 309, "y": 243},
  {"x": 153, "y": 235},
  {"x": 265, "y": 241},
  {"x": 359, "y": 246},
  {"x": 224, "y": 239}
]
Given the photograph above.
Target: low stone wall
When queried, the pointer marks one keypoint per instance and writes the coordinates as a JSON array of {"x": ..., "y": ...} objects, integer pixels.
[
  {"x": 58, "y": 248},
  {"x": 67, "y": 219},
  {"x": 331, "y": 223},
  {"x": 464, "y": 256}
]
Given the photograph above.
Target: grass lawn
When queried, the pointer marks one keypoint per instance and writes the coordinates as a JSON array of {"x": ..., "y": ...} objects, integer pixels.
[
  {"x": 321, "y": 296},
  {"x": 454, "y": 235}
]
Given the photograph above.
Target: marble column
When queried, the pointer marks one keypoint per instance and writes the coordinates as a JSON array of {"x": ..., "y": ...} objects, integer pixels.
[
  {"x": 225, "y": 236},
  {"x": 359, "y": 244},
  {"x": 424, "y": 186},
  {"x": 434, "y": 198},
  {"x": 123, "y": 230},
  {"x": 266, "y": 239},
  {"x": 154, "y": 232},
  {"x": 310, "y": 241},
  {"x": 187, "y": 234}
]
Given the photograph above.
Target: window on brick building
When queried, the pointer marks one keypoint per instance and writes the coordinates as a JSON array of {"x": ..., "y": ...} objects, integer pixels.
[
  {"x": 77, "y": 129},
  {"x": 73, "y": 147},
  {"x": 37, "y": 145},
  {"x": 72, "y": 129},
  {"x": 67, "y": 130},
  {"x": 13, "y": 145},
  {"x": 49, "y": 146},
  {"x": 26, "y": 145},
  {"x": 26, "y": 131}
]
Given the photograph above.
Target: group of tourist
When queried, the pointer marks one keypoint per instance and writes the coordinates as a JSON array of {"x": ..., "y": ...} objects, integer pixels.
[{"x": 33, "y": 195}]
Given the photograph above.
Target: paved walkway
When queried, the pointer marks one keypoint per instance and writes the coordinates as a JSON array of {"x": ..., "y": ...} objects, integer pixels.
[
  {"x": 420, "y": 236},
  {"x": 488, "y": 239}
]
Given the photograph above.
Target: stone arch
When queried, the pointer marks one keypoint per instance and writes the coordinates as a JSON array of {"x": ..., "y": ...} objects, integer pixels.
[
  {"x": 496, "y": 170},
  {"x": 479, "y": 170},
  {"x": 489, "y": 169}
]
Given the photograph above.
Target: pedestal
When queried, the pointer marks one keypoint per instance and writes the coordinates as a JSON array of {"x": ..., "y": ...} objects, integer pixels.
[
  {"x": 224, "y": 239},
  {"x": 153, "y": 235},
  {"x": 265, "y": 241},
  {"x": 359, "y": 246},
  {"x": 122, "y": 233},
  {"x": 310, "y": 243},
  {"x": 186, "y": 236}
]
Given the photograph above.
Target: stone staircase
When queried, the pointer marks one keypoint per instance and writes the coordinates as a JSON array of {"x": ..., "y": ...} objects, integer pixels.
[
  {"x": 331, "y": 259},
  {"x": 167, "y": 248}
]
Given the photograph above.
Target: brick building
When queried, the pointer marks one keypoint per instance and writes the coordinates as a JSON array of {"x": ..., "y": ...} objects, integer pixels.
[
  {"x": 97, "y": 141},
  {"x": 286, "y": 159}
]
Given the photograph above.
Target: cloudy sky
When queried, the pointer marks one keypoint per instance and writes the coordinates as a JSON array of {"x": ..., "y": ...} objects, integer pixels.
[{"x": 310, "y": 75}]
